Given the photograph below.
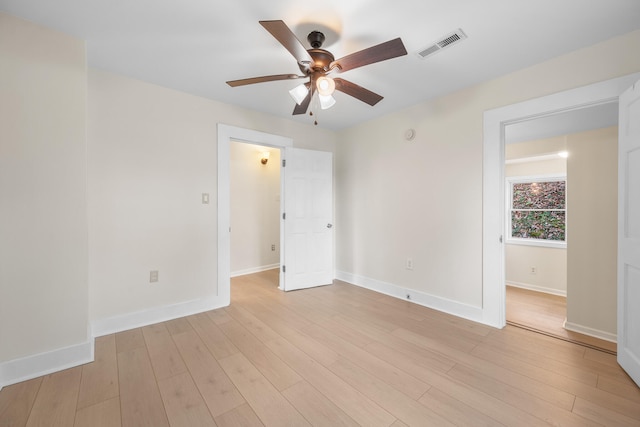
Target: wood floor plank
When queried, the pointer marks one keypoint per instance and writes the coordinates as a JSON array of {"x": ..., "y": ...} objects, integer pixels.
[
  {"x": 351, "y": 401},
  {"x": 315, "y": 407},
  {"x": 141, "y": 404},
  {"x": 270, "y": 406},
  {"x": 602, "y": 415},
  {"x": 55, "y": 403},
  {"x": 535, "y": 367},
  {"x": 398, "y": 404},
  {"x": 385, "y": 371},
  {"x": 270, "y": 365},
  {"x": 103, "y": 414},
  {"x": 216, "y": 388},
  {"x": 183, "y": 402},
  {"x": 242, "y": 416},
  {"x": 218, "y": 316},
  {"x": 16, "y": 402},
  {"x": 534, "y": 386},
  {"x": 254, "y": 325},
  {"x": 129, "y": 340},
  {"x": 482, "y": 402},
  {"x": 164, "y": 355},
  {"x": 322, "y": 354},
  {"x": 433, "y": 358},
  {"x": 456, "y": 411},
  {"x": 212, "y": 336},
  {"x": 178, "y": 326},
  {"x": 628, "y": 405},
  {"x": 100, "y": 379},
  {"x": 518, "y": 398},
  {"x": 626, "y": 391}
]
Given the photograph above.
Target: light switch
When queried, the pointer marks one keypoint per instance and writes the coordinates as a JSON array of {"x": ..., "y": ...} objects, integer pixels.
[{"x": 205, "y": 198}]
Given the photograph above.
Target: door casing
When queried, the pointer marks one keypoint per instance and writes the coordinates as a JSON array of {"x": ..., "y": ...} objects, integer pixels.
[
  {"x": 493, "y": 268},
  {"x": 226, "y": 134}
]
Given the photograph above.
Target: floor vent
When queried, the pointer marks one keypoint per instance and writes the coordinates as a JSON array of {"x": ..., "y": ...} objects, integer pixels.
[{"x": 449, "y": 40}]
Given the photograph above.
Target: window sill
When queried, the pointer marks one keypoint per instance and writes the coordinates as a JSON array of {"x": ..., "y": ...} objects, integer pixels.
[{"x": 535, "y": 242}]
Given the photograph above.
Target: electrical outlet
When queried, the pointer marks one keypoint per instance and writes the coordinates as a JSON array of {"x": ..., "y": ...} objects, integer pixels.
[
  {"x": 533, "y": 270},
  {"x": 409, "y": 264},
  {"x": 273, "y": 247},
  {"x": 153, "y": 276}
]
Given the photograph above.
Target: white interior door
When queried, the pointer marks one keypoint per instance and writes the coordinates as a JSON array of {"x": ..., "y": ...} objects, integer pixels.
[
  {"x": 629, "y": 232},
  {"x": 308, "y": 219}
]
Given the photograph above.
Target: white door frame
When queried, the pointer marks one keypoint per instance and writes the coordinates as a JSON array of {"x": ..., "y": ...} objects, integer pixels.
[
  {"x": 227, "y": 134},
  {"x": 493, "y": 268}
]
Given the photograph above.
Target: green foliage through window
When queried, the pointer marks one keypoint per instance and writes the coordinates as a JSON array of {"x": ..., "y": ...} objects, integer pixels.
[{"x": 538, "y": 210}]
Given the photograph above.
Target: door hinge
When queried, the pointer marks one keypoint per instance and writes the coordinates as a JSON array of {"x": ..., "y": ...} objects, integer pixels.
[
  {"x": 284, "y": 163},
  {"x": 284, "y": 215},
  {"x": 284, "y": 268}
]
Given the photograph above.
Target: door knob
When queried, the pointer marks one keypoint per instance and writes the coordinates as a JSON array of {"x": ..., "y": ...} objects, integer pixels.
[{"x": 329, "y": 225}]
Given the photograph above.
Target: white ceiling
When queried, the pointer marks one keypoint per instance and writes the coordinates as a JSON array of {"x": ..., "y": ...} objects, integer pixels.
[{"x": 197, "y": 45}]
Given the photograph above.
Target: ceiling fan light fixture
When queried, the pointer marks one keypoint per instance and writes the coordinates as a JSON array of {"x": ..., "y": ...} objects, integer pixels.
[
  {"x": 326, "y": 86},
  {"x": 326, "y": 101},
  {"x": 299, "y": 93}
]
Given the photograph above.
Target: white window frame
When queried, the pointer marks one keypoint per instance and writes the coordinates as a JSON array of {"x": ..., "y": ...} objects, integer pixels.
[{"x": 508, "y": 203}]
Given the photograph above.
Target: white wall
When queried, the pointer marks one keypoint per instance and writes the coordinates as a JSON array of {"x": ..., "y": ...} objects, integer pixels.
[
  {"x": 423, "y": 199},
  {"x": 592, "y": 204},
  {"x": 152, "y": 152},
  {"x": 550, "y": 263},
  {"x": 43, "y": 202},
  {"x": 255, "y": 208}
]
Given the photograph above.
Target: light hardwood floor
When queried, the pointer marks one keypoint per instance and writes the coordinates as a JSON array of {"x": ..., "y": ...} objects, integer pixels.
[
  {"x": 546, "y": 313},
  {"x": 330, "y": 356}
]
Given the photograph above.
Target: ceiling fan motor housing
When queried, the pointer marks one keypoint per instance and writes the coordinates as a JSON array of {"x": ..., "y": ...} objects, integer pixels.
[{"x": 315, "y": 39}]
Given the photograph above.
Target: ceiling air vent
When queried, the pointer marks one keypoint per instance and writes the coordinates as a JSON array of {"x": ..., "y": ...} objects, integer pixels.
[{"x": 449, "y": 40}]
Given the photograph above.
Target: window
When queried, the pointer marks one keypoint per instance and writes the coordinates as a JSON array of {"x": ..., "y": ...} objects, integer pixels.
[{"x": 537, "y": 211}]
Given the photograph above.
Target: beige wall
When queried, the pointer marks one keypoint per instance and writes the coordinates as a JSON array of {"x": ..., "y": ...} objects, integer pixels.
[
  {"x": 43, "y": 202},
  {"x": 592, "y": 231},
  {"x": 152, "y": 152},
  {"x": 550, "y": 263},
  {"x": 423, "y": 199},
  {"x": 255, "y": 208}
]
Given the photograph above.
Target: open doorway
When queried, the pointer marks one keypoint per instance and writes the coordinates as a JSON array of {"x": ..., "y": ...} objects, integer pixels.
[
  {"x": 255, "y": 184},
  {"x": 536, "y": 238},
  {"x": 551, "y": 166},
  {"x": 493, "y": 207}
]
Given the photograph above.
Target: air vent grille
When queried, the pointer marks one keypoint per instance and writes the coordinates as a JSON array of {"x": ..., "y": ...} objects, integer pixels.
[{"x": 446, "y": 41}]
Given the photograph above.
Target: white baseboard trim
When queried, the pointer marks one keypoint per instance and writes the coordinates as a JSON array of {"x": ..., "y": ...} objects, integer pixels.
[
  {"x": 138, "y": 319},
  {"x": 37, "y": 365},
  {"x": 254, "y": 270},
  {"x": 585, "y": 330},
  {"x": 437, "y": 303},
  {"x": 537, "y": 288}
]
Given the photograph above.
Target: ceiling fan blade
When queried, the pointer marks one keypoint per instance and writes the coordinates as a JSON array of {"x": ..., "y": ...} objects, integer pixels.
[
  {"x": 252, "y": 80},
  {"x": 358, "y": 92},
  {"x": 285, "y": 36},
  {"x": 383, "y": 51},
  {"x": 302, "y": 108},
  {"x": 304, "y": 105}
]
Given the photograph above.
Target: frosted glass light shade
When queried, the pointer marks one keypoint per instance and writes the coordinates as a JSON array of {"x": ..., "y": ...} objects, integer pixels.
[
  {"x": 326, "y": 86},
  {"x": 326, "y": 102},
  {"x": 299, "y": 93}
]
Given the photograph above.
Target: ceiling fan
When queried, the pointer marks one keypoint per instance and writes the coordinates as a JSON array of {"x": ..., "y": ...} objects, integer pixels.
[{"x": 317, "y": 63}]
